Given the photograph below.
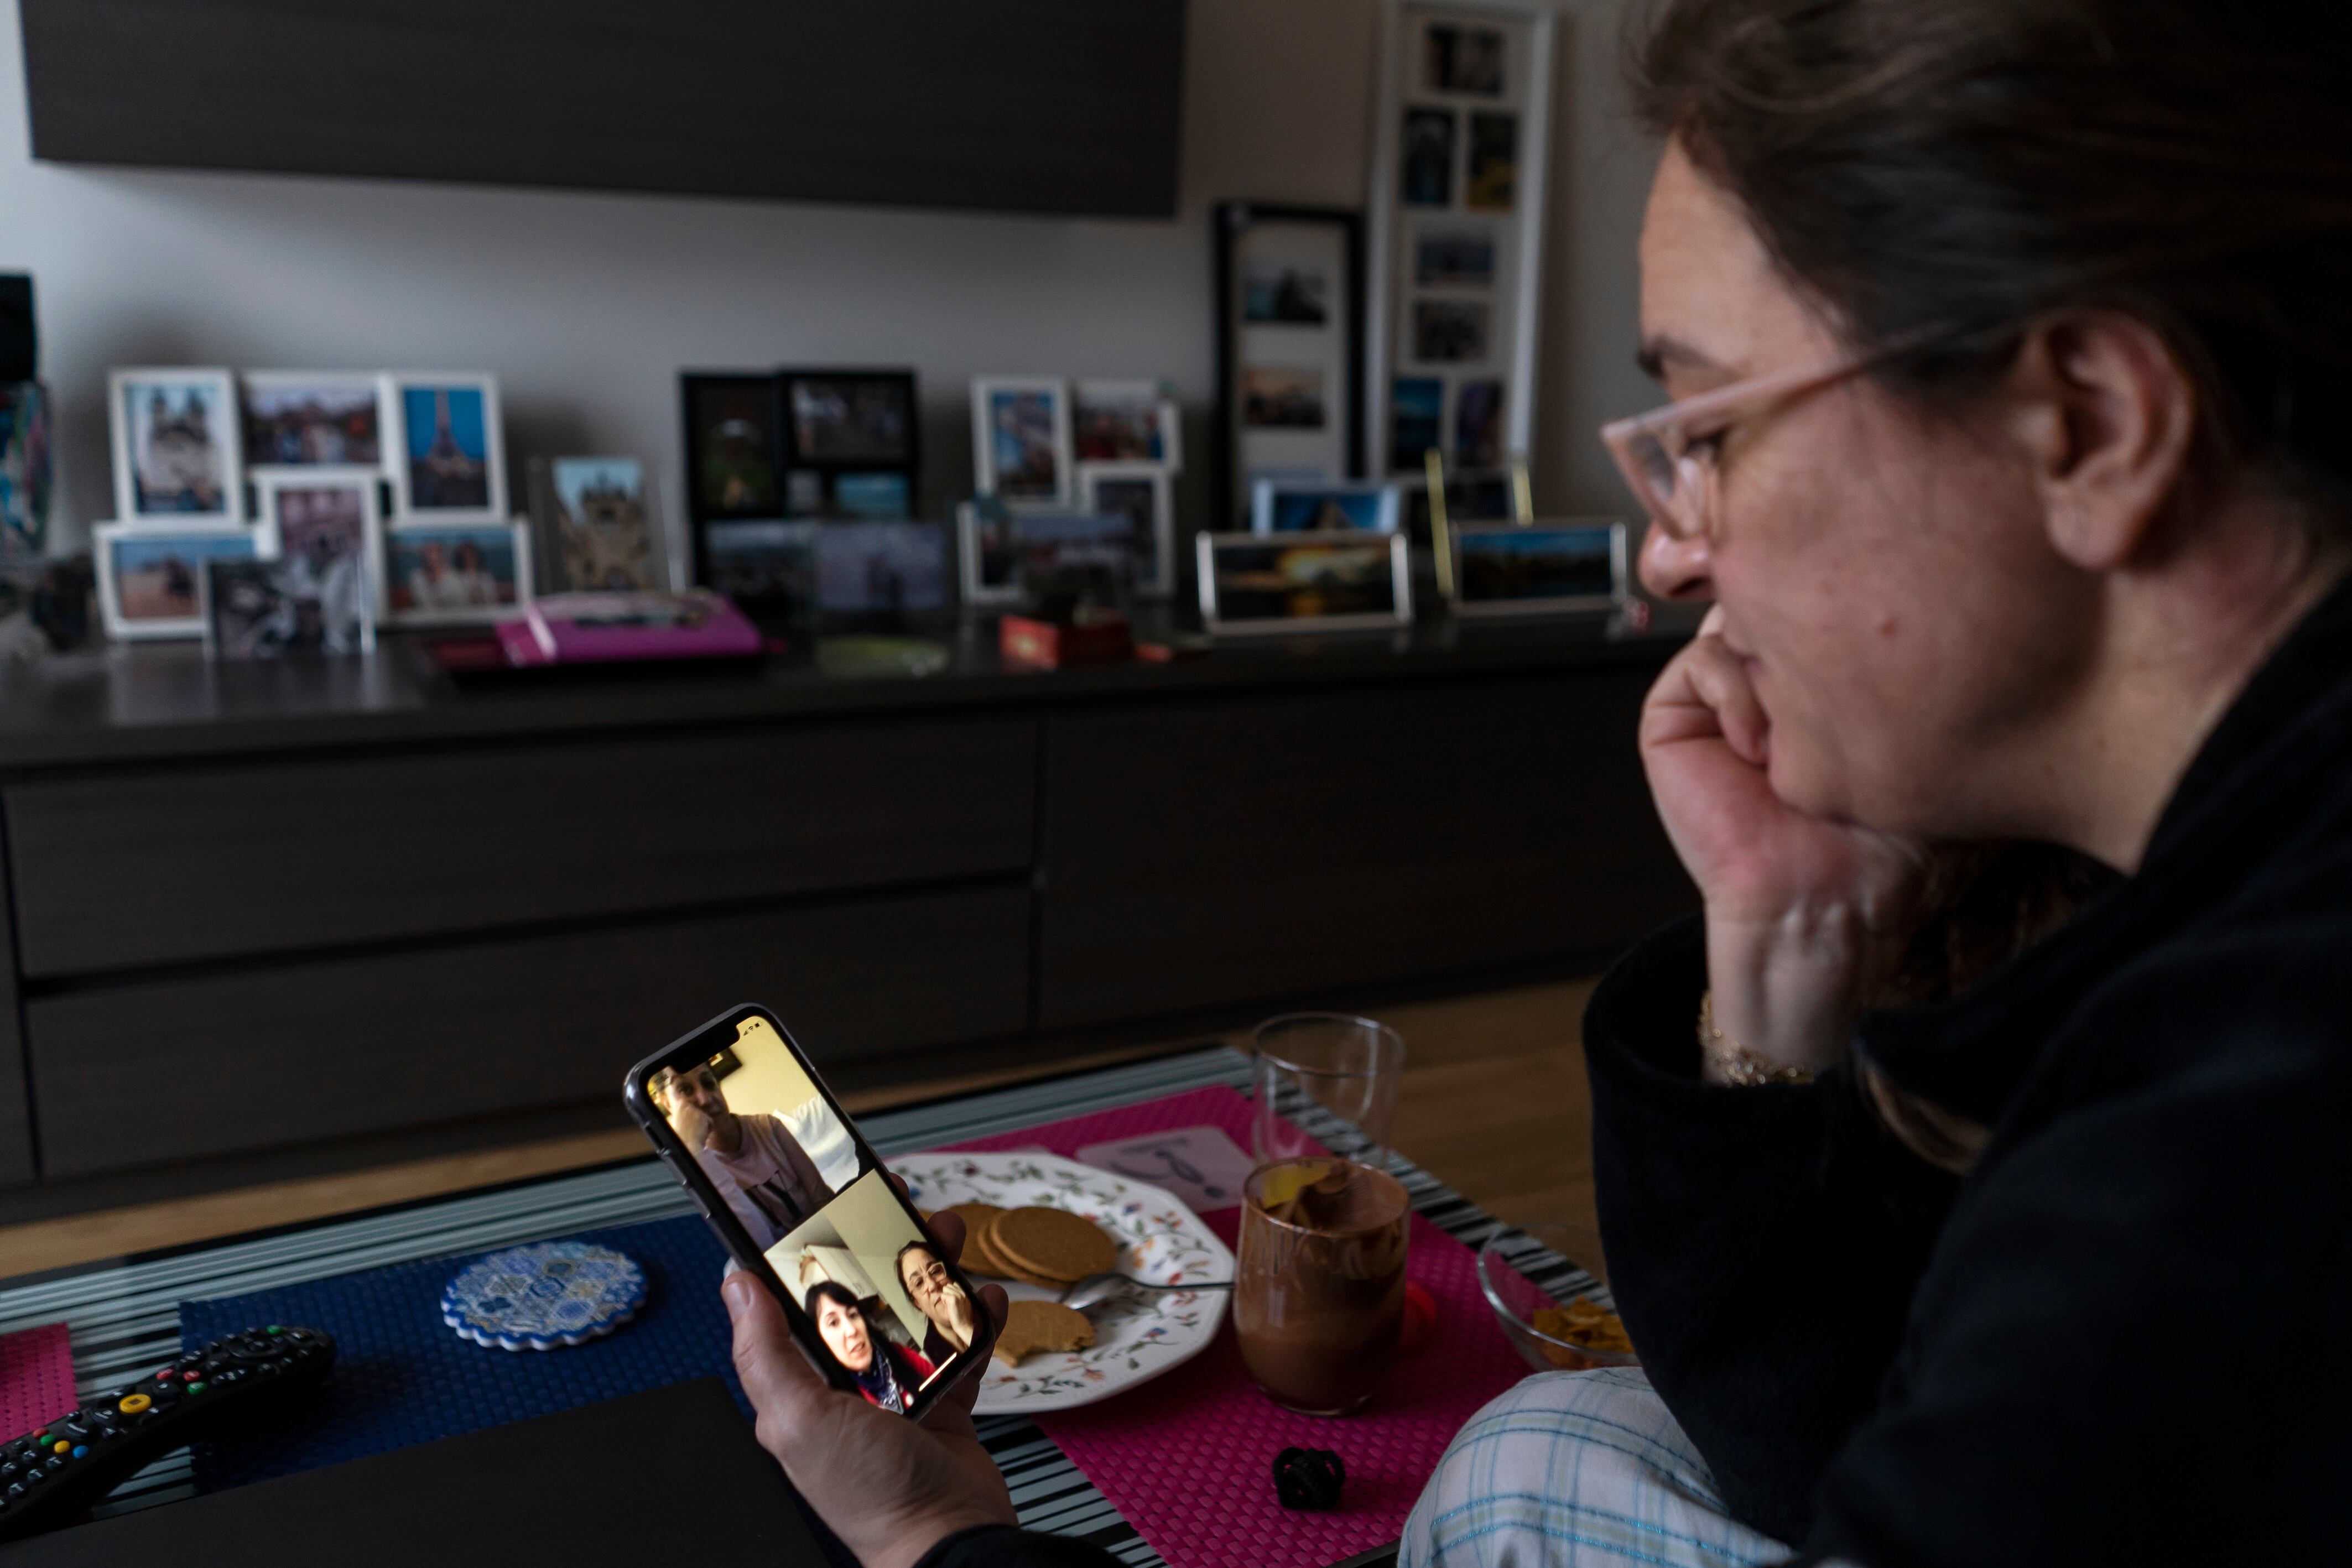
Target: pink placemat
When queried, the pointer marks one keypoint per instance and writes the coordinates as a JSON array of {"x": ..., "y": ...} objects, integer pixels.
[
  {"x": 1188, "y": 1457},
  {"x": 37, "y": 1378}
]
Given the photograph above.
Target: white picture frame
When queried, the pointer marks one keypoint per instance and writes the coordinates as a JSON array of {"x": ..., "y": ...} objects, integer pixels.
[
  {"x": 110, "y": 542},
  {"x": 410, "y": 397},
  {"x": 1167, "y": 420},
  {"x": 1385, "y": 509},
  {"x": 1096, "y": 479},
  {"x": 988, "y": 479},
  {"x": 401, "y": 540},
  {"x": 1396, "y": 227},
  {"x": 215, "y": 462},
  {"x": 271, "y": 487},
  {"x": 976, "y": 586},
  {"x": 1218, "y": 614},
  {"x": 263, "y": 390},
  {"x": 1591, "y": 539}
]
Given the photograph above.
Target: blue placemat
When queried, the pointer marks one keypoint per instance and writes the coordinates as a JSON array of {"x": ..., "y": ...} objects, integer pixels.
[{"x": 403, "y": 1377}]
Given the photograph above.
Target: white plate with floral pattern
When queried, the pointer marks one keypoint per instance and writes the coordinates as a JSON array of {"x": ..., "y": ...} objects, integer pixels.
[{"x": 1160, "y": 1241}]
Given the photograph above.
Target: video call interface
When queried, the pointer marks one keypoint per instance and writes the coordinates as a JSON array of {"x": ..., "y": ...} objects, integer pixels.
[{"x": 836, "y": 1235}]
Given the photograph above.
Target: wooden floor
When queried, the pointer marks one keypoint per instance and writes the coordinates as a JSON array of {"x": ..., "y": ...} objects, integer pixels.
[{"x": 1494, "y": 1103}]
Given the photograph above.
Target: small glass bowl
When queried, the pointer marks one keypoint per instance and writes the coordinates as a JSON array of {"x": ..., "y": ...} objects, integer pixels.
[{"x": 1516, "y": 1299}]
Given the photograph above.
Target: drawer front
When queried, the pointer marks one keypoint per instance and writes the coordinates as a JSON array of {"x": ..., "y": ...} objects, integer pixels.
[
  {"x": 1275, "y": 846},
  {"x": 146, "y": 1073},
  {"x": 173, "y": 864}
]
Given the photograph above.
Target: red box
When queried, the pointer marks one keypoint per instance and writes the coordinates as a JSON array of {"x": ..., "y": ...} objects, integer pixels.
[{"x": 1048, "y": 646}]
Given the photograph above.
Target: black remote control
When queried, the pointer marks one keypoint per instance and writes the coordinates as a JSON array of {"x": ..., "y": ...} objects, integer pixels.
[{"x": 49, "y": 1476}]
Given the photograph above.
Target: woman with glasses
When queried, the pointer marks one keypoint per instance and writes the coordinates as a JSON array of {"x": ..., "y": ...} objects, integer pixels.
[{"x": 1973, "y": 1172}]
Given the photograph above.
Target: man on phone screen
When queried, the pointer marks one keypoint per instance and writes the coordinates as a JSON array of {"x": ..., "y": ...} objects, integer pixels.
[{"x": 752, "y": 1158}]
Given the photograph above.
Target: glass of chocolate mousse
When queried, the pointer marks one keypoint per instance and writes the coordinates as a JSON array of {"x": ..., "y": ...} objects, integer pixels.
[{"x": 1319, "y": 1298}]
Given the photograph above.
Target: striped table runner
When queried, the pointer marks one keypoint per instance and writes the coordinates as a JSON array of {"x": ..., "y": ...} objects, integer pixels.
[{"x": 125, "y": 1315}]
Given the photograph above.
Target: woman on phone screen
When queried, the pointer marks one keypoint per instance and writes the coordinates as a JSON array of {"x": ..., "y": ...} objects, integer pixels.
[{"x": 887, "y": 1374}]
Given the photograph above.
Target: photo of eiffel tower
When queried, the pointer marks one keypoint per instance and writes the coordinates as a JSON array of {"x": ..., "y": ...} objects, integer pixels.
[{"x": 446, "y": 476}]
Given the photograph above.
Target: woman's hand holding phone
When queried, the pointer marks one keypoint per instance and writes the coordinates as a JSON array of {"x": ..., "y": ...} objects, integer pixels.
[{"x": 890, "y": 1488}]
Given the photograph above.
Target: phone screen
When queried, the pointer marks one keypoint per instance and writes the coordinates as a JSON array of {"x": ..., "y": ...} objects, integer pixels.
[{"x": 792, "y": 1187}]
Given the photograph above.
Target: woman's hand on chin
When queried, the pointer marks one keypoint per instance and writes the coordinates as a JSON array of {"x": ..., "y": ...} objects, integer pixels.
[
  {"x": 890, "y": 1489},
  {"x": 1800, "y": 910}
]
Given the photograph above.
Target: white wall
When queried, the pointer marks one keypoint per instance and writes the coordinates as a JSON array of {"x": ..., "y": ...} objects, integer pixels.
[{"x": 587, "y": 306}]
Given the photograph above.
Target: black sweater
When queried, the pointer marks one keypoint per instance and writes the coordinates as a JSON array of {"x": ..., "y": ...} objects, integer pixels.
[{"x": 2123, "y": 1338}]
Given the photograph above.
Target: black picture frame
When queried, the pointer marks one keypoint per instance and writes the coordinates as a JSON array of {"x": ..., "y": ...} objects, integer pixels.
[
  {"x": 747, "y": 394},
  {"x": 1230, "y": 221}
]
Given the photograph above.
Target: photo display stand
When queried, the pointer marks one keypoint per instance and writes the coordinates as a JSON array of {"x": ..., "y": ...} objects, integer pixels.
[
  {"x": 1290, "y": 350},
  {"x": 1459, "y": 176}
]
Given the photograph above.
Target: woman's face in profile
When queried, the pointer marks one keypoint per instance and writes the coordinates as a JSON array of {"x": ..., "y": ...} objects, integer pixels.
[
  {"x": 1884, "y": 577},
  {"x": 843, "y": 1332}
]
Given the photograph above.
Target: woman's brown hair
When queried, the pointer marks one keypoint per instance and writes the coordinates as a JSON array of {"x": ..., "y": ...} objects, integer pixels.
[{"x": 1952, "y": 169}]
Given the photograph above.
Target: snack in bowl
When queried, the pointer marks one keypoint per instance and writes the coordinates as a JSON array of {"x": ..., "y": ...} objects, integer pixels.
[
  {"x": 1583, "y": 1323},
  {"x": 1032, "y": 1326}
]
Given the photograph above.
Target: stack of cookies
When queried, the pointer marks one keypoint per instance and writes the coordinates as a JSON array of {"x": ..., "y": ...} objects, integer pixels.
[{"x": 1049, "y": 1248}]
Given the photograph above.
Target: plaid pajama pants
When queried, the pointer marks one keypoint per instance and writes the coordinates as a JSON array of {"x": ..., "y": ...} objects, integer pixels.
[{"x": 1577, "y": 1469}]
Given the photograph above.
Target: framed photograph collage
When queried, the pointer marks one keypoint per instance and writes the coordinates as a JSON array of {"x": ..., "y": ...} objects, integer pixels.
[
  {"x": 780, "y": 463},
  {"x": 1290, "y": 350},
  {"x": 1068, "y": 470},
  {"x": 250, "y": 510},
  {"x": 1457, "y": 231}
]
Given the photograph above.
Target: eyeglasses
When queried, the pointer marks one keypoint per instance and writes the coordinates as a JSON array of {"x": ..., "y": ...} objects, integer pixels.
[{"x": 1669, "y": 454}]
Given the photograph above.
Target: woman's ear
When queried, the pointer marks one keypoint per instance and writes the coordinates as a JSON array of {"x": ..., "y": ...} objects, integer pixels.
[{"x": 2105, "y": 418}]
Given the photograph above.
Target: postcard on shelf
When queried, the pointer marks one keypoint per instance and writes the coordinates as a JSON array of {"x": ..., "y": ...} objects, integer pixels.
[
  {"x": 1348, "y": 581},
  {"x": 1538, "y": 569}
]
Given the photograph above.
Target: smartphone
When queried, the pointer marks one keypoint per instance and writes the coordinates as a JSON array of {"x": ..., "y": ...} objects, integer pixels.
[{"x": 804, "y": 1205}]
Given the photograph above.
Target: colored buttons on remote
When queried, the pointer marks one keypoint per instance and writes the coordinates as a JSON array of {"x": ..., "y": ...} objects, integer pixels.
[{"x": 134, "y": 1403}]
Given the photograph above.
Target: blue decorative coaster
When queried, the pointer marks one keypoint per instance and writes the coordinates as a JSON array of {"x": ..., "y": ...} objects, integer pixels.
[{"x": 541, "y": 1297}]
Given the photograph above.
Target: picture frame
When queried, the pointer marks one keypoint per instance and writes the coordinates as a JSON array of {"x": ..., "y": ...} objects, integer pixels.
[
  {"x": 1361, "y": 506},
  {"x": 321, "y": 518},
  {"x": 1463, "y": 103},
  {"x": 255, "y": 608},
  {"x": 882, "y": 576},
  {"x": 1022, "y": 450},
  {"x": 1127, "y": 423},
  {"x": 851, "y": 418},
  {"x": 767, "y": 565},
  {"x": 988, "y": 554},
  {"x": 178, "y": 445},
  {"x": 1540, "y": 568},
  {"x": 1290, "y": 350},
  {"x": 1255, "y": 584},
  {"x": 149, "y": 577},
  {"x": 315, "y": 419},
  {"x": 1146, "y": 492},
  {"x": 446, "y": 448},
  {"x": 453, "y": 574},
  {"x": 594, "y": 526}
]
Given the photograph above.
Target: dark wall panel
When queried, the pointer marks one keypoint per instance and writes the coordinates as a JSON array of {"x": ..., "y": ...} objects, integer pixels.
[
  {"x": 1232, "y": 851},
  {"x": 1059, "y": 106},
  {"x": 134, "y": 1075},
  {"x": 172, "y": 864}
]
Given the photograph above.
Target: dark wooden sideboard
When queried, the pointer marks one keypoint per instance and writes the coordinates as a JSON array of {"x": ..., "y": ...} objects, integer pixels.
[{"x": 260, "y": 908}]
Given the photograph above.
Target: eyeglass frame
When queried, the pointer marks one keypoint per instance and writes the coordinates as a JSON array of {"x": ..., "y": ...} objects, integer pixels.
[{"x": 1754, "y": 395}]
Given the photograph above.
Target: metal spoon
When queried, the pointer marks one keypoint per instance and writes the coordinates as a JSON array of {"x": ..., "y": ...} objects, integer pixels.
[{"x": 1097, "y": 1290}]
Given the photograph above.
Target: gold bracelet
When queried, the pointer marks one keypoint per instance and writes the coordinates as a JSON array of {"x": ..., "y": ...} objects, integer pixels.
[{"x": 1733, "y": 1062}]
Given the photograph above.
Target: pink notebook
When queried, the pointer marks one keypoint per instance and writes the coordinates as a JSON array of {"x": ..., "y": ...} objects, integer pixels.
[{"x": 607, "y": 628}]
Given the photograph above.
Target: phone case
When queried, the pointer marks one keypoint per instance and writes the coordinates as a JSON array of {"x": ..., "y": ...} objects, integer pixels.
[{"x": 701, "y": 1045}]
